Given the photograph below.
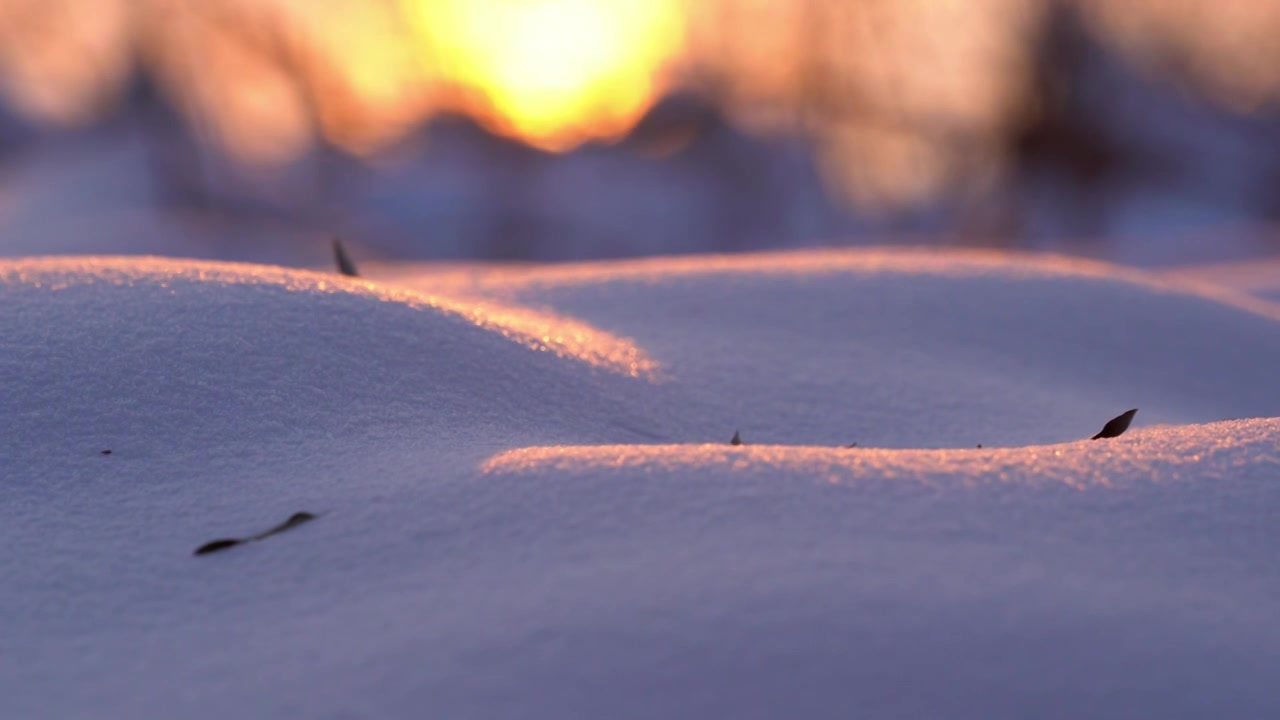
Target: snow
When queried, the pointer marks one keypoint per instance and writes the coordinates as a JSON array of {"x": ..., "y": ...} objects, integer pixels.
[
  {"x": 911, "y": 348},
  {"x": 451, "y": 190},
  {"x": 109, "y": 183},
  {"x": 526, "y": 504},
  {"x": 1258, "y": 277}
]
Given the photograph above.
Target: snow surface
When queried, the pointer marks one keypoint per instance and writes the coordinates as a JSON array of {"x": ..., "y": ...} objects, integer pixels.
[
  {"x": 527, "y": 506},
  {"x": 1258, "y": 277}
]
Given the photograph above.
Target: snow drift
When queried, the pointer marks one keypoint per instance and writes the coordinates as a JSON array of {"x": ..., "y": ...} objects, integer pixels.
[
  {"x": 915, "y": 349},
  {"x": 185, "y": 356},
  {"x": 517, "y": 516}
]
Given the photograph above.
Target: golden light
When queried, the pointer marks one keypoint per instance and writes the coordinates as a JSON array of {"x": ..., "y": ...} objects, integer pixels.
[
  {"x": 554, "y": 72},
  {"x": 905, "y": 99},
  {"x": 61, "y": 60},
  {"x": 364, "y": 69}
]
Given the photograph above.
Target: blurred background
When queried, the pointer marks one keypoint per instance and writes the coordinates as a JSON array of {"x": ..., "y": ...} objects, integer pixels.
[{"x": 1143, "y": 131}]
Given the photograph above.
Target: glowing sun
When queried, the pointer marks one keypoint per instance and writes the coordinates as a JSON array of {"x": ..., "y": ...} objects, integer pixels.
[{"x": 553, "y": 72}]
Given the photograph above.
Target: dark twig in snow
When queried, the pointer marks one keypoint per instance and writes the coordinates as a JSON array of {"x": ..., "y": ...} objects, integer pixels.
[
  {"x": 345, "y": 266},
  {"x": 1116, "y": 426},
  {"x": 737, "y": 439},
  {"x": 215, "y": 545}
]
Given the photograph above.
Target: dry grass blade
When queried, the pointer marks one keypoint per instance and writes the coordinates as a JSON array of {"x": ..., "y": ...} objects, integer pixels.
[{"x": 1116, "y": 426}]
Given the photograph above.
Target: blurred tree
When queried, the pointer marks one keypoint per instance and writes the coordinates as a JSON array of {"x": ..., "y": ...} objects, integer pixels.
[{"x": 1061, "y": 135}]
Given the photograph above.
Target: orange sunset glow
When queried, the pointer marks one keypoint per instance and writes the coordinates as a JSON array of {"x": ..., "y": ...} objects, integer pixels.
[
  {"x": 554, "y": 71},
  {"x": 901, "y": 98},
  {"x": 268, "y": 76}
]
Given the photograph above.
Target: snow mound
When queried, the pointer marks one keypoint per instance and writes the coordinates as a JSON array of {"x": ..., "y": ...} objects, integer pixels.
[
  {"x": 490, "y": 542},
  {"x": 182, "y": 356},
  {"x": 916, "y": 348},
  {"x": 1100, "y": 579}
]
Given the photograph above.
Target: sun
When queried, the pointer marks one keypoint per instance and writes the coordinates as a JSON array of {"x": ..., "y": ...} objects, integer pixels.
[{"x": 553, "y": 72}]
